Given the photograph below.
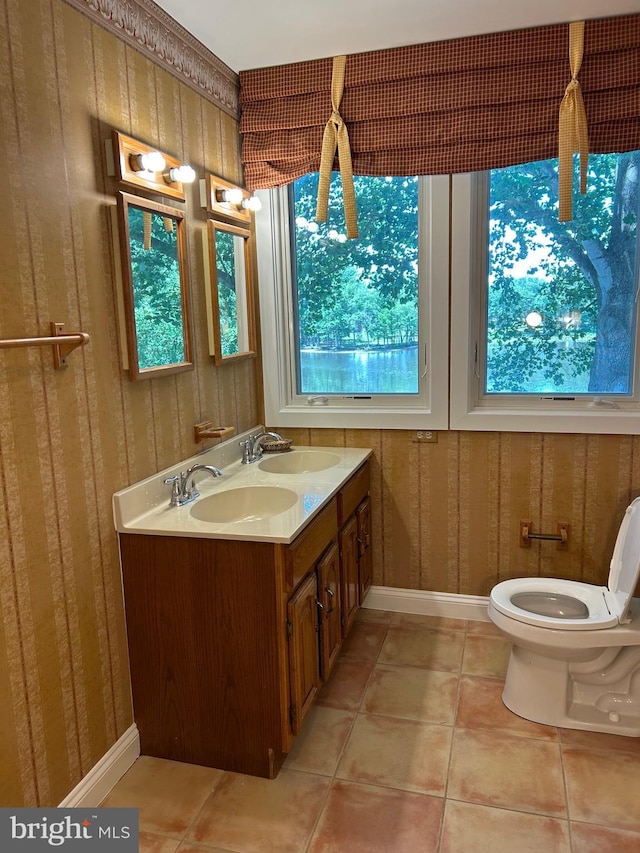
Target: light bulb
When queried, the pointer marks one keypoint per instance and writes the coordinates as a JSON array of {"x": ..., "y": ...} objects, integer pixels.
[
  {"x": 182, "y": 175},
  {"x": 233, "y": 196},
  {"x": 533, "y": 319},
  {"x": 152, "y": 161},
  {"x": 252, "y": 203}
]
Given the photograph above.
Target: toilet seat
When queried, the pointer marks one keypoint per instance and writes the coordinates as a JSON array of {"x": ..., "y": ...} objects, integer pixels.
[
  {"x": 607, "y": 606},
  {"x": 593, "y": 597}
]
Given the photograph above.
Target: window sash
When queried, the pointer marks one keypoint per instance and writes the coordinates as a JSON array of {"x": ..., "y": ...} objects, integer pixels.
[
  {"x": 470, "y": 407},
  {"x": 283, "y": 405}
]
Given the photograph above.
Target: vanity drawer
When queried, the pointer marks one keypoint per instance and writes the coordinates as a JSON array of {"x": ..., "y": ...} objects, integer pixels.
[
  {"x": 307, "y": 548},
  {"x": 352, "y": 493}
]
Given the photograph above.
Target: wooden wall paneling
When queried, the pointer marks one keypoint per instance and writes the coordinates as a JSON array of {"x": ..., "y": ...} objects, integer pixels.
[
  {"x": 86, "y": 431},
  {"x": 479, "y": 497},
  {"x": 10, "y": 788}
]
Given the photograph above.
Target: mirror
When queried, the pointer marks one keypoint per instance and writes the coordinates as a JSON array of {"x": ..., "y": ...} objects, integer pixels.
[
  {"x": 155, "y": 289},
  {"x": 229, "y": 291}
]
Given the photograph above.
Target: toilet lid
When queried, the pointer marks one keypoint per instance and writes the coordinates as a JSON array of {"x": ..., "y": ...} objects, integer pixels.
[{"x": 625, "y": 563}]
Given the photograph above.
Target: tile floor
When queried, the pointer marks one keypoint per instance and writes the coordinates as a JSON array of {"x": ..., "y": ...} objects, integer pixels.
[{"x": 407, "y": 750}]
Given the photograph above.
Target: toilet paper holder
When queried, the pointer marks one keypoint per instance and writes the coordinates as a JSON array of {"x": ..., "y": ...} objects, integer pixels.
[{"x": 561, "y": 537}]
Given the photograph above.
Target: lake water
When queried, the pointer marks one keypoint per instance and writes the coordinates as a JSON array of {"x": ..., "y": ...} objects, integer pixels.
[{"x": 360, "y": 371}]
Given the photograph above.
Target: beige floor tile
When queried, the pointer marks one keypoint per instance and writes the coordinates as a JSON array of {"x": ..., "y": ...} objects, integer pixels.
[
  {"x": 364, "y": 641},
  {"x": 169, "y": 794},
  {"x": 589, "y": 838},
  {"x": 487, "y": 629},
  {"x": 431, "y": 623},
  {"x": 396, "y": 753},
  {"x": 261, "y": 815},
  {"x": 486, "y": 655},
  {"x": 346, "y": 685},
  {"x": 149, "y": 843},
  {"x": 192, "y": 847},
  {"x": 498, "y": 769},
  {"x": 441, "y": 650},
  {"x": 411, "y": 693},
  {"x": 481, "y": 829},
  {"x": 603, "y": 787},
  {"x": 318, "y": 747},
  {"x": 480, "y": 706},
  {"x": 367, "y": 614},
  {"x": 599, "y": 740},
  {"x": 363, "y": 819}
]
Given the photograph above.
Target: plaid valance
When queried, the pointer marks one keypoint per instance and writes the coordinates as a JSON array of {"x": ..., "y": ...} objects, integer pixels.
[{"x": 461, "y": 105}]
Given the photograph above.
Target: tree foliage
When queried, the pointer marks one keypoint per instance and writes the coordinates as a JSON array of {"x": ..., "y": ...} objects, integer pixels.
[
  {"x": 226, "y": 287},
  {"x": 588, "y": 271},
  {"x": 358, "y": 291},
  {"x": 156, "y": 292}
]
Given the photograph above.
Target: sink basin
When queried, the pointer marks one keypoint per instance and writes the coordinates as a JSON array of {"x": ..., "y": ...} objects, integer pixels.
[
  {"x": 299, "y": 462},
  {"x": 252, "y": 503}
]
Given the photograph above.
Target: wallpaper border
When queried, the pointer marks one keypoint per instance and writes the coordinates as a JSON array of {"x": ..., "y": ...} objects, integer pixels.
[{"x": 149, "y": 29}]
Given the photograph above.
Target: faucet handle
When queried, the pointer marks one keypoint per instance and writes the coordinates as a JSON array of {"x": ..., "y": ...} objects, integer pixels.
[
  {"x": 176, "y": 488},
  {"x": 246, "y": 446}
]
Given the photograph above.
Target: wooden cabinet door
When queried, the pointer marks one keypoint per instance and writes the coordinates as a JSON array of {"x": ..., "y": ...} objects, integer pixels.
[
  {"x": 365, "y": 563},
  {"x": 302, "y": 627},
  {"x": 329, "y": 597},
  {"x": 348, "y": 541}
]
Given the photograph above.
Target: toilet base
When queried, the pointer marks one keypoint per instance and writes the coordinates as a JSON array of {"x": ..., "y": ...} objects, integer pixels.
[{"x": 601, "y": 696}]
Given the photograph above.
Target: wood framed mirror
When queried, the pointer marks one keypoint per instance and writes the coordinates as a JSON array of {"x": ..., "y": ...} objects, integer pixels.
[
  {"x": 155, "y": 288},
  {"x": 230, "y": 308}
]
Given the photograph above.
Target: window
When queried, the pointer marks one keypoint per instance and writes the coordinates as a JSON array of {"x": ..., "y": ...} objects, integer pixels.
[
  {"x": 544, "y": 314},
  {"x": 355, "y": 331}
]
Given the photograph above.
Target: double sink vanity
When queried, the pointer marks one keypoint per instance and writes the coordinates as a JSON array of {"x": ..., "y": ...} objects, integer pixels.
[{"x": 237, "y": 602}]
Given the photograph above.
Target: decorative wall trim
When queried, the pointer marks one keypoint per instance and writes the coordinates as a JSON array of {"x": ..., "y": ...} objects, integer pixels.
[
  {"x": 150, "y": 30},
  {"x": 427, "y": 603},
  {"x": 95, "y": 786}
]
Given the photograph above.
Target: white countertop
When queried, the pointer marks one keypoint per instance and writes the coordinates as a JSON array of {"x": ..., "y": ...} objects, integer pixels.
[{"x": 144, "y": 507}]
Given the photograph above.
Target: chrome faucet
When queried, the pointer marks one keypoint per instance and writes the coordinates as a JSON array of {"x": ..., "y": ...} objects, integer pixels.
[
  {"x": 252, "y": 446},
  {"x": 183, "y": 484}
]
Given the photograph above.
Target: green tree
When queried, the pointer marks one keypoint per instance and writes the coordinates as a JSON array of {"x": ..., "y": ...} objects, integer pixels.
[
  {"x": 384, "y": 258},
  {"x": 156, "y": 291},
  {"x": 591, "y": 259},
  {"x": 226, "y": 287}
]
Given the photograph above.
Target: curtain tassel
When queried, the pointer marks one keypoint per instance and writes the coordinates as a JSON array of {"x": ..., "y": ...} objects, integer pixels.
[
  {"x": 335, "y": 137},
  {"x": 573, "y": 136}
]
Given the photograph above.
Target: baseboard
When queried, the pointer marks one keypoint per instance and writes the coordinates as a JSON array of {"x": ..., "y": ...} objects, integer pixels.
[
  {"x": 95, "y": 786},
  {"x": 427, "y": 603}
]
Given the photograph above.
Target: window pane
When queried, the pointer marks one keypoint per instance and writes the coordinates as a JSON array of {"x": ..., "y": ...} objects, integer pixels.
[
  {"x": 561, "y": 297},
  {"x": 357, "y": 300}
]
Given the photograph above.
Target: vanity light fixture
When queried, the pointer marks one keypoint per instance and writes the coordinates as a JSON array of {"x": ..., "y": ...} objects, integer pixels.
[
  {"x": 139, "y": 165},
  {"x": 226, "y": 200}
]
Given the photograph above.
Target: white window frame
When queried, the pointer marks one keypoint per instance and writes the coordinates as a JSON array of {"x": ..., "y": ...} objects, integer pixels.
[
  {"x": 469, "y": 409},
  {"x": 286, "y": 409}
]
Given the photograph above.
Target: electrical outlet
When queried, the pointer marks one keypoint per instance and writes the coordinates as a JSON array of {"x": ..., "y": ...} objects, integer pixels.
[{"x": 427, "y": 436}]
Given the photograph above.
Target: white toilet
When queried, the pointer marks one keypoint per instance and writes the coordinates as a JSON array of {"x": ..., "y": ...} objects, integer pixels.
[{"x": 575, "y": 658}]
